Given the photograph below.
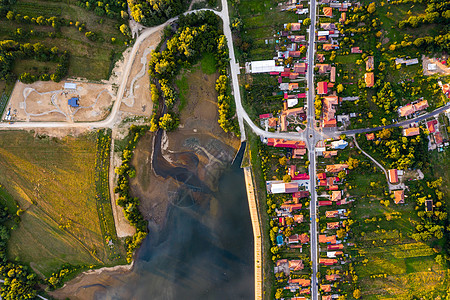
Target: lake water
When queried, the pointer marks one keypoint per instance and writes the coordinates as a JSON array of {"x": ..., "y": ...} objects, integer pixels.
[{"x": 203, "y": 252}]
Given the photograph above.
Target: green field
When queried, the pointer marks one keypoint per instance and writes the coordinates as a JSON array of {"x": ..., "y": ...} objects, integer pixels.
[{"x": 53, "y": 182}]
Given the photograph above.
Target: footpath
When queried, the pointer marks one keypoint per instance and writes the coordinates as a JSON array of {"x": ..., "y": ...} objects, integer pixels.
[{"x": 253, "y": 206}]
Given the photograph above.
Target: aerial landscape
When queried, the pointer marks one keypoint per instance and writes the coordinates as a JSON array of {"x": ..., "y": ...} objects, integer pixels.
[{"x": 225, "y": 149}]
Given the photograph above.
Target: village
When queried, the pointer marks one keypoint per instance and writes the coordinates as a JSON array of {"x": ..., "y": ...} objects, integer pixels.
[{"x": 339, "y": 92}]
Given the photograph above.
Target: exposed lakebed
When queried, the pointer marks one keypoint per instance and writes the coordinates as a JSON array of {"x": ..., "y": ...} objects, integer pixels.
[{"x": 200, "y": 244}]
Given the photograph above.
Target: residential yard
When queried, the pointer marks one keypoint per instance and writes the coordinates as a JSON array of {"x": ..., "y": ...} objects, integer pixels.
[
  {"x": 53, "y": 182},
  {"x": 391, "y": 264}
]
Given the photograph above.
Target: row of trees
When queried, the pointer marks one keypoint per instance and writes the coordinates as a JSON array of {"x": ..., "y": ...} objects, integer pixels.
[
  {"x": 197, "y": 34},
  {"x": 130, "y": 204},
  {"x": 114, "y": 9}
]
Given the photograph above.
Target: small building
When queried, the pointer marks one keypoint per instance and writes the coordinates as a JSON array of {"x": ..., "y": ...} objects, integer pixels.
[
  {"x": 326, "y": 288},
  {"x": 429, "y": 205},
  {"x": 369, "y": 78},
  {"x": 355, "y": 50},
  {"x": 370, "y": 63},
  {"x": 431, "y": 125},
  {"x": 343, "y": 17},
  {"x": 265, "y": 116},
  {"x": 411, "y": 131},
  {"x": 327, "y": 261},
  {"x": 298, "y": 218},
  {"x": 264, "y": 66},
  {"x": 333, "y": 74},
  {"x": 282, "y": 143},
  {"x": 328, "y": 11},
  {"x": 332, "y": 277},
  {"x": 322, "y": 88},
  {"x": 336, "y": 196},
  {"x": 339, "y": 144},
  {"x": 295, "y": 26},
  {"x": 393, "y": 176},
  {"x": 70, "y": 86},
  {"x": 399, "y": 196},
  {"x": 298, "y": 153},
  {"x": 272, "y": 122},
  {"x": 285, "y": 187},
  {"x": 370, "y": 136},
  {"x": 438, "y": 139},
  {"x": 329, "y": 47},
  {"x": 321, "y": 57},
  {"x": 327, "y": 239},
  {"x": 296, "y": 265},
  {"x": 333, "y": 225},
  {"x": 336, "y": 168},
  {"x": 335, "y": 247},
  {"x": 73, "y": 102}
]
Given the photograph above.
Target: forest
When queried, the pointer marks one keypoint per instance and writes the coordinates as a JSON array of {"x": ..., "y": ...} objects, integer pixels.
[
  {"x": 155, "y": 12},
  {"x": 197, "y": 34}
]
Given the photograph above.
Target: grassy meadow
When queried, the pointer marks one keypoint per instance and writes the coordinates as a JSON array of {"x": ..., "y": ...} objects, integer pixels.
[
  {"x": 53, "y": 181},
  {"x": 89, "y": 59}
]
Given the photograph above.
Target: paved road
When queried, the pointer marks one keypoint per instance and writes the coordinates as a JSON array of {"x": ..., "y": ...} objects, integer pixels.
[
  {"x": 402, "y": 123},
  {"x": 312, "y": 137}
]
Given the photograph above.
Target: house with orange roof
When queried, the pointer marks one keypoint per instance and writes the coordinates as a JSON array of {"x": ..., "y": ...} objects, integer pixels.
[
  {"x": 369, "y": 79},
  {"x": 343, "y": 17},
  {"x": 370, "y": 136},
  {"x": 298, "y": 298},
  {"x": 327, "y": 239},
  {"x": 327, "y": 297},
  {"x": 333, "y": 225},
  {"x": 291, "y": 207},
  {"x": 406, "y": 110},
  {"x": 336, "y": 168},
  {"x": 293, "y": 86},
  {"x": 328, "y": 11},
  {"x": 326, "y": 288},
  {"x": 320, "y": 57},
  {"x": 333, "y": 74},
  {"x": 272, "y": 122},
  {"x": 298, "y": 218},
  {"x": 329, "y": 47},
  {"x": 299, "y": 195},
  {"x": 335, "y": 247},
  {"x": 421, "y": 105},
  {"x": 329, "y": 111},
  {"x": 322, "y": 88},
  {"x": 327, "y": 261},
  {"x": 298, "y": 153},
  {"x": 300, "y": 281},
  {"x": 321, "y": 176},
  {"x": 296, "y": 265},
  {"x": 399, "y": 196},
  {"x": 411, "y": 131},
  {"x": 355, "y": 50},
  {"x": 329, "y": 154},
  {"x": 303, "y": 238},
  {"x": 323, "y": 68},
  {"x": 431, "y": 125},
  {"x": 336, "y": 196},
  {"x": 295, "y": 26},
  {"x": 300, "y": 68},
  {"x": 393, "y": 175},
  {"x": 282, "y": 143},
  {"x": 332, "y": 277},
  {"x": 332, "y": 214},
  {"x": 438, "y": 138}
]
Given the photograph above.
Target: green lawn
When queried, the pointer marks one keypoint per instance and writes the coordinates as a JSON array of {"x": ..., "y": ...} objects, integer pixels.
[{"x": 53, "y": 181}]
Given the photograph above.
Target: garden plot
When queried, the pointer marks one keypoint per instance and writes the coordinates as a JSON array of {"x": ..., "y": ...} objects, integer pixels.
[{"x": 49, "y": 101}]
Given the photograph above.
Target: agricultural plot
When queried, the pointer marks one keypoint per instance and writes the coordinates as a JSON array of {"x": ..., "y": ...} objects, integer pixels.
[{"x": 53, "y": 181}]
